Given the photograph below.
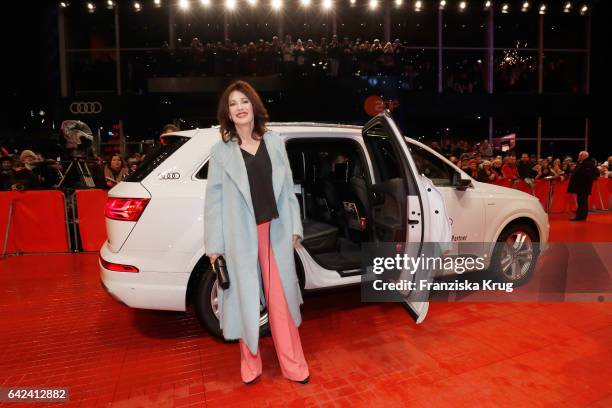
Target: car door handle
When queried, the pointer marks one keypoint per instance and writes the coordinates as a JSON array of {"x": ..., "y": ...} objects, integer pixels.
[{"x": 413, "y": 222}]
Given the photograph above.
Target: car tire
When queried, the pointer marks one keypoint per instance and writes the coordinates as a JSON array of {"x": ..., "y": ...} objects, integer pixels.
[
  {"x": 515, "y": 254},
  {"x": 206, "y": 307}
]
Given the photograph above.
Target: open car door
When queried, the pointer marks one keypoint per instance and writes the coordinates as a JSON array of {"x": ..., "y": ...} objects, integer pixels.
[{"x": 401, "y": 211}]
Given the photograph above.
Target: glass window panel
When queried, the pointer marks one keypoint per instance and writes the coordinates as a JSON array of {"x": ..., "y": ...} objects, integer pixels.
[
  {"x": 360, "y": 22},
  {"x": 564, "y": 72},
  {"x": 562, "y": 127},
  {"x": 146, "y": 28},
  {"x": 91, "y": 71},
  {"x": 515, "y": 71},
  {"x": 204, "y": 23},
  {"x": 560, "y": 149},
  {"x": 308, "y": 23},
  {"x": 252, "y": 24},
  {"x": 565, "y": 30},
  {"x": 418, "y": 70},
  {"x": 516, "y": 28},
  {"x": 444, "y": 131},
  {"x": 465, "y": 71},
  {"x": 465, "y": 29},
  {"x": 415, "y": 29},
  {"x": 136, "y": 68},
  {"x": 89, "y": 30},
  {"x": 522, "y": 127}
]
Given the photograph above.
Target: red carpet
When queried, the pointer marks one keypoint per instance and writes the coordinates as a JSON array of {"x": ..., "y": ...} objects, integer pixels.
[{"x": 59, "y": 328}]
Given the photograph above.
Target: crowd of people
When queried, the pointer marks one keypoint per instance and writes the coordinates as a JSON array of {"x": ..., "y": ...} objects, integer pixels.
[
  {"x": 77, "y": 167},
  {"x": 334, "y": 57},
  {"x": 479, "y": 161},
  {"x": 32, "y": 171}
]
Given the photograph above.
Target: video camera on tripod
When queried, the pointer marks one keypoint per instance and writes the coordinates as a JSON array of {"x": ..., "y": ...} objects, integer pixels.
[{"x": 78, "y": 151}]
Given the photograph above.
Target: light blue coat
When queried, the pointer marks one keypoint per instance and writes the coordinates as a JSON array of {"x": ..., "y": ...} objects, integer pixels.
[{"x": 230, "y": 229}]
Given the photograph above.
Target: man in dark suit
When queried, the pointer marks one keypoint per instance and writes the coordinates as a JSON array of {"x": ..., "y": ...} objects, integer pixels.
[{"x": 580, "y": 183}]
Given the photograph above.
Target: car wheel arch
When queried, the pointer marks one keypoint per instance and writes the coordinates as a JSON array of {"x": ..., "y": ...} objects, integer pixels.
[
  {"x": 200, "y": 268},
  {"x": 520, "y": 220}
]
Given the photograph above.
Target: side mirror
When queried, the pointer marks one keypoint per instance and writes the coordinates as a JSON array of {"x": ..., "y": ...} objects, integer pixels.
[{"x": 461, "y": 183}]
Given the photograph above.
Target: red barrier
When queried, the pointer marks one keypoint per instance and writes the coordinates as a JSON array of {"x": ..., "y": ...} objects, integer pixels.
[
  {"x": 92, "y": 228},
  {"x": 524, "y": 187},
  {"x": 5, "y": 202},
  {"x": 542, "y": 192},
  {"x": 562, "y": 201},
  {"x": 38, "y": 222},
  {"x": 503, "y": 183},
  {"x": 600, "y": 195},
  {"x": 605, "y": 189}
]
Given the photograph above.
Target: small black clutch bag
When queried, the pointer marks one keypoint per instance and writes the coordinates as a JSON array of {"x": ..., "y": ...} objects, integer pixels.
[{"x": 221, "y": 270}]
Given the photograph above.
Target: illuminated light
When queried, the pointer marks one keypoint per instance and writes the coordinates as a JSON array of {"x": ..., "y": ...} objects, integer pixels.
[
  {"x": 276, "y": 4},
  {"x": 584, "y": 10},
  {"x": 418, "y": 6},
  {"x": 542, "y": 9},
  {"x": 568, "y": 7},
  {"x": 110, "y": 4},
  {"x": 183, "y": 4},
  {"x": 505, "y": 8},
  {"x": 462, "y": 5},
  {"x": 442, "y": 4},
  {"x": 252, "y": 3},
  {"x": 398, "y": 3},
  {"x": 487, "y": 5},
  {"x": 230, "y": 4},
  {"x": 327, "y": 4},
  {"x": 373, "y": 4},
  {"x": 353, "y": 2},
  {"x": 305, "y": 3},
  {"x": 525, "y": 7},
  {"x": 137, "y": 6},
  {"x": 91, "y": 7},
  {"x": 64, "y": 4},
  {"x": 157, "y": 3}
]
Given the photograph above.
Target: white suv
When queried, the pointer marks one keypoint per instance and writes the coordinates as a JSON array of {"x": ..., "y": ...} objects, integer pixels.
[{"x": 354, "y": 185}]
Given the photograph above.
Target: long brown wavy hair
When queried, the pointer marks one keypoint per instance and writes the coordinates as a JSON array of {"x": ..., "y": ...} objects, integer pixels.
[{"x": 260, "y": 114}]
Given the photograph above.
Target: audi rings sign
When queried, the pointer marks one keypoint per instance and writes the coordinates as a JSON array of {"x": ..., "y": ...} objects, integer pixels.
[{"x": 85, "y": 108}]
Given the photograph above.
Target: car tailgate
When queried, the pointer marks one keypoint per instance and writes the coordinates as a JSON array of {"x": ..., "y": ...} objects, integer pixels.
[{"x": 117, "y": 231}]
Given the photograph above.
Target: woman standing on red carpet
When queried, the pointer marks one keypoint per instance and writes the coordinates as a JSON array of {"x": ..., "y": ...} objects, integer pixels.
[{"x": 252, "y": 218}]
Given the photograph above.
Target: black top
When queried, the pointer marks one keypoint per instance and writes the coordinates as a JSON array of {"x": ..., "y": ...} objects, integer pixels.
[
  {"x": 583, "y": 176},
  {"x": 259, "y": 170}
]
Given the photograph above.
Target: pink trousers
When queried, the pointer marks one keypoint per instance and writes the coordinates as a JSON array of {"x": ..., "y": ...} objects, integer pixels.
[{"x": 284, "y": 332}]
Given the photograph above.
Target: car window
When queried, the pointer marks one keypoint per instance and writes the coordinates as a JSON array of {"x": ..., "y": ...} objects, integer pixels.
[
  {"x": 203, "y": 172},
  {"x": 297, "y": 163},
  {"x": 157, "y": 156},
  {"x": 384, "y": 158},
  {"x": 434, "y": 168}
]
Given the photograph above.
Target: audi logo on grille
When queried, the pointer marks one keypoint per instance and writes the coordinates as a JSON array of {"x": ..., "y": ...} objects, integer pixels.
[
  {"x": 170, "y": 176},
  {"x": 85, "y": 108}
]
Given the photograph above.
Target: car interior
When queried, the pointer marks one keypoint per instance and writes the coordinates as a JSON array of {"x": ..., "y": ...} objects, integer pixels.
[{"x": 330, "y": 176}]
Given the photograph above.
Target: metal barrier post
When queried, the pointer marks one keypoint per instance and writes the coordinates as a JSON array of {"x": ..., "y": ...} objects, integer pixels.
[
  {"x": 599, "y": 195},
  {"x": 550, "y": 196},
  {"x": 75, "y": 222},
  {"x": 66, "y": 198},
  {"x": 8, "y": 228}
]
